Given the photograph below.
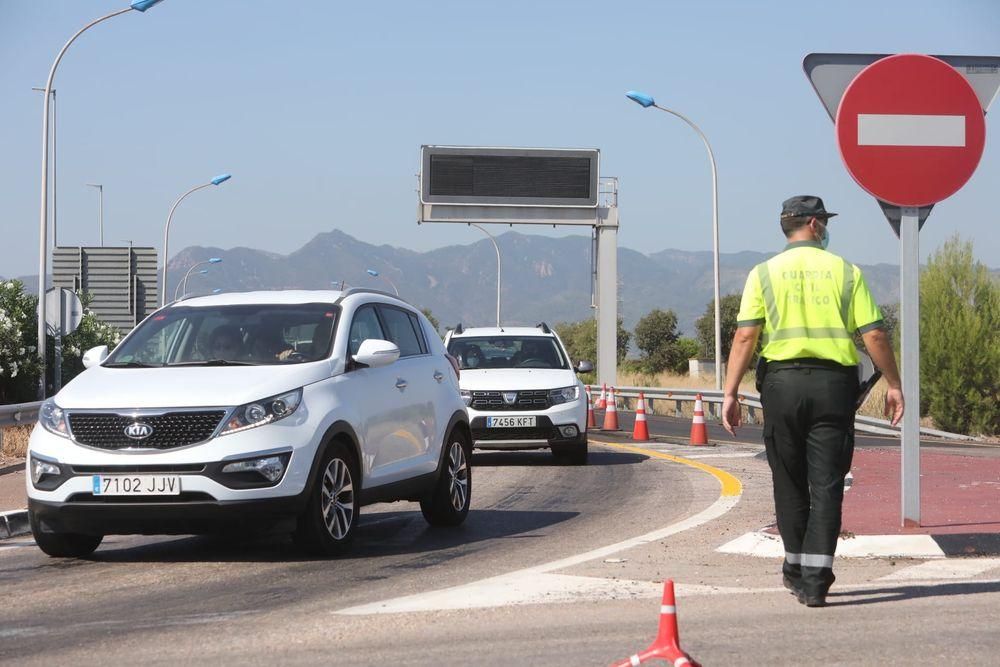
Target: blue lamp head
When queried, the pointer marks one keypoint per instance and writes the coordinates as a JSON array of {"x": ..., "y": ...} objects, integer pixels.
[
  {"x": 641, "y": 99},
  {"x": 214, "y": 260},
  {"x": 203, "y": 271},
  {"x": 143, "y": 5},
  {"x": 221, "y": 178},
  {"x": 372, "y": 272},
  {"x": 216, "y": 290}
]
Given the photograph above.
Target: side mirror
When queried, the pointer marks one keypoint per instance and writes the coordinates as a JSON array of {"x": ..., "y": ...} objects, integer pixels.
[
  {"x": 584, "y": 367},
  {"x": 94, "y": 356},
  {"x": 375, "y": 353}
]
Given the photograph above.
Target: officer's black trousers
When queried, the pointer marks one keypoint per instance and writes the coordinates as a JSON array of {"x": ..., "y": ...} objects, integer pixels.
[{"x": 809, "y": 437}]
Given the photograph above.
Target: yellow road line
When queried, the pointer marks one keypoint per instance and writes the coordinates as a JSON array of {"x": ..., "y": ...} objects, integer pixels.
[{"x": 731, "y": 486}]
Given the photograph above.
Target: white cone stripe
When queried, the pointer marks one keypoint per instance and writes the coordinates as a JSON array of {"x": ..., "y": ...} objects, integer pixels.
[
  {"x": 698, "y": 419},
  {"x": 634, "y": 660},
  {"x": 681, "y": 661},
  {"x": 668, "y": 609}
]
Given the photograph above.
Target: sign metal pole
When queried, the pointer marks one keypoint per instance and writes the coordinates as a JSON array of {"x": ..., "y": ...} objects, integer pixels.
[{"x": 909, "y": 285}]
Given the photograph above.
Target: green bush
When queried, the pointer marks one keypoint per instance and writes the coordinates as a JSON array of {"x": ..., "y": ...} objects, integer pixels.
[
  {"x": 960, "y": 341},
  {"x": 18, "y": 337}
]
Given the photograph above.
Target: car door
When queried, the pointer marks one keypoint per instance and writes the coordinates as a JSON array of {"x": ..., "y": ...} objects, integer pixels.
[
  {"x": 420, "y": 429},
  {"x": 381, "y": 405}
]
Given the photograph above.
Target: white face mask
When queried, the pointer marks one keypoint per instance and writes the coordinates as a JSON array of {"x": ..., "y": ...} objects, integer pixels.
[{"x": 824, "y": 239}]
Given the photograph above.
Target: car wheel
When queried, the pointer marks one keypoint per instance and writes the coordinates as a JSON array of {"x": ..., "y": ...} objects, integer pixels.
[
  {"x": 448, "y": 502},
  {"x": 63, "y": 545},
  {"x": 327, "y": 525},
  {"x": 574, "y": 453}
]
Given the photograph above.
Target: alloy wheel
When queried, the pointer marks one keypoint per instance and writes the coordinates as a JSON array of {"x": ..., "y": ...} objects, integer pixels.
[
  {"x": 458, "y": 476},
  {"x": 338, "y": 498}
]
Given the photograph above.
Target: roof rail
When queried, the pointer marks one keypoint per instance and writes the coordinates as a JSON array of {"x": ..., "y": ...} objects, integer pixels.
[
  {"x": 544, "y": 327},
  {"x": 350, "y": 291}
]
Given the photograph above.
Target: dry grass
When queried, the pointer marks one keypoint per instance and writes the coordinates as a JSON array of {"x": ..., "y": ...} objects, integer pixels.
[{"x": 14, "y": 441}]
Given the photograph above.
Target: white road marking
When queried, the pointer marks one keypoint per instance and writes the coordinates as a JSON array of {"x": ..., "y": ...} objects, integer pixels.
[
  {"x": 884, "y": 129},
  {"x": 734, "y": 455},
  {"x": 766, "y": 545},
  {"x": 950, "y": 568}
]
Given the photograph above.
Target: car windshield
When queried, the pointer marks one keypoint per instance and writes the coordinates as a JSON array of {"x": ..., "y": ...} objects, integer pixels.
[
  {"x": 507, "y": 352},
  {"x": 237, "y": 335}
]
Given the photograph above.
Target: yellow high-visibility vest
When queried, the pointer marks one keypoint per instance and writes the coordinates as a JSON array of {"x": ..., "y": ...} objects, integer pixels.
[{"x": 810, "y": 302}]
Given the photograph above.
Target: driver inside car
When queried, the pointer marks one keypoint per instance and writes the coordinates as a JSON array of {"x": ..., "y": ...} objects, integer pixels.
[{"x": 270, "y": 344}]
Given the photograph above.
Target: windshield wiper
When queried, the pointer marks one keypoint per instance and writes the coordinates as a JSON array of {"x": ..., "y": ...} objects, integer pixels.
[
  {"x": 213, "y": 362},
  {"x": 130, "y": 364}
]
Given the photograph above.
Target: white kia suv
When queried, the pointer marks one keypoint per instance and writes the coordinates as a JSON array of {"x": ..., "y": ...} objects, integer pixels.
[
  {"x": 279, "y": 410},
  {"x": 521, "y": 390}
]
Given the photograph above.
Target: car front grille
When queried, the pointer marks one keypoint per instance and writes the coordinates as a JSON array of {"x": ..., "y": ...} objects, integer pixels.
[
  {"x": 525, "y": 399},
  {"x": 169, "y": 430}
]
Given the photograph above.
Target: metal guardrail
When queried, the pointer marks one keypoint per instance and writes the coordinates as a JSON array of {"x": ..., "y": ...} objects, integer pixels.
[
  {"x": 713, "y": 398},
  {"x": 16, "y": 414}
]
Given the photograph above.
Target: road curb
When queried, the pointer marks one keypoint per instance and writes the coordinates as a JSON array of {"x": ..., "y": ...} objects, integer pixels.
[
  {"x": 762, "y": 544},
  {"x": 14, "y": 524}
]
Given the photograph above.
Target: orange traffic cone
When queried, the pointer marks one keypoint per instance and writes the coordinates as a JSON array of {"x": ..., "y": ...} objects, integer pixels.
[
  {"x": 666, "y": 646},
  {"x": 602, "y": 401},
  {"x": 611, "y": 414},
  {"x": 591, "y": 421},
  {"x": 699, "y": 435},
  {"x": 641, "y": 431}
]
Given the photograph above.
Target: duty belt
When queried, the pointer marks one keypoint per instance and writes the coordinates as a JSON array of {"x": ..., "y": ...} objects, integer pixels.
[{"x": 808, "y": 362}]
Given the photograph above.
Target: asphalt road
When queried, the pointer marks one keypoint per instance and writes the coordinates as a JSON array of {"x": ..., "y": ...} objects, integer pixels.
[{"x": 519, "y": 583}]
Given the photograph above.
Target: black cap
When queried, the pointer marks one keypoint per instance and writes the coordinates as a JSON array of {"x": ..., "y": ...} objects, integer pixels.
[{"x": 804, "y": 206}]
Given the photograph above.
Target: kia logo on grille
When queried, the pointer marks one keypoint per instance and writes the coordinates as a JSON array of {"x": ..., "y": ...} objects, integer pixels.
[
  {"x": 509, "y": 397},
  {"x": 138, "y": 431}
]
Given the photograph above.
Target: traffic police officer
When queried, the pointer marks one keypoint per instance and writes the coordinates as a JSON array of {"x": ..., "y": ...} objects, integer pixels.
[{"x": 808, "y": 302}]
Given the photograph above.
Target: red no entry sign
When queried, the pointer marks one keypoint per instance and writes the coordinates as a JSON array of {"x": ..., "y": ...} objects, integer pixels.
[{"x": 911, "y": 130}]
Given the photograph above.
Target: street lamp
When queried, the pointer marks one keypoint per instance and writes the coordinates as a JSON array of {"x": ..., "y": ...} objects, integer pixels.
[
  {"x": 183, "y": 284},
  {"x": 221, "y": 178},
  {"x": 497, "y": 248},
  {"x": 138, "y": 5},
  {"x": 55, "y": 170},
  {"x": 100, "y": 216},
  {"x": 376, "y": 274},
  {"x": 645, "y": 101}
]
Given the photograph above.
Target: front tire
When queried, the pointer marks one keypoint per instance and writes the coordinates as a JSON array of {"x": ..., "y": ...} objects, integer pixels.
[
  {"x": 63, "y": 545},
  {"x": 574, "y": 453},
  {"x": 448, "y": 503},
  {"x": 327, "y": 526}
]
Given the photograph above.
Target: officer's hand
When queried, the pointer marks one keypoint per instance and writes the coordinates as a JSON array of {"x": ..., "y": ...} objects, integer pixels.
[
  {"x": 732, "y": 414},
  {"x": 894, "y": 405}
]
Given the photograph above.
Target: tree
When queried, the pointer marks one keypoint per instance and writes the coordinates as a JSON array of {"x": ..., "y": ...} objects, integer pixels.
[
  {"x": 433, "y": 320},
  {"x": 959, "y": 339},
  {"x": 18, "y": 361},
  {"x": 705, "y": 326},
  {"x": 687, "y": 348},
  {"x": 580, "y": 339},
  {"x": 656, "y": 337}
]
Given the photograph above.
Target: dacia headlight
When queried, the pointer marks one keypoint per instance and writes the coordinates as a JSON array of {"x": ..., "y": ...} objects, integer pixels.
[
  {"x": 466, "y": 397},
  {"x": 565, "y": 394},
  {"x": 53, "y": 418},
  {"x": 265, "y": 411}
]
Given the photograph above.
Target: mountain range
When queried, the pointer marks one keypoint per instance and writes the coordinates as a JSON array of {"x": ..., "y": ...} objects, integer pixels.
[{"x": 544, "y": 278}]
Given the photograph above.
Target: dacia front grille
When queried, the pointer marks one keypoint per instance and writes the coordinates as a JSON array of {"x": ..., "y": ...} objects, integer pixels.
[
  {"x": 167, "y": 431},
  {"x": 523, "y": 400}
]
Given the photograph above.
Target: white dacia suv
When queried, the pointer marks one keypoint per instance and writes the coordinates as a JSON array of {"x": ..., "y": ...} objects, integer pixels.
[
  {"x": 283, "y": 409},
  {"x": 521, "y": 390}
]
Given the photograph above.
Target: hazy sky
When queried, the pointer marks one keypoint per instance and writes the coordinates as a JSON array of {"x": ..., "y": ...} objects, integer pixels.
[{"x": 318, "y": 109}]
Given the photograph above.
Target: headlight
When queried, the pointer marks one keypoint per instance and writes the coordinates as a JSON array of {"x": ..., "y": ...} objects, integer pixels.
[
  {"x": 53, "y": 418},
  {"x": 270, "y": 468},
  {"x": 265, "y": 411},
  {"x": 467, "y": 397},
  {"x": 565, "y": 394}
]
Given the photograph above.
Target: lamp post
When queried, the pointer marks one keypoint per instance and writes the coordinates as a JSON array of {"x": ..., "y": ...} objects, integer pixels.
[
  {"x": 376, "y": 274},
  {"x": 55, "y": 169},
  {"x": 497, "y": 248},
  {"x": 138, "y": 5},
  {"x": 100, "y": 215},
  {"x": 221, "y": 178},
  {"x": 646, "y": 101},
  {"x": 182, "y": 286}
]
